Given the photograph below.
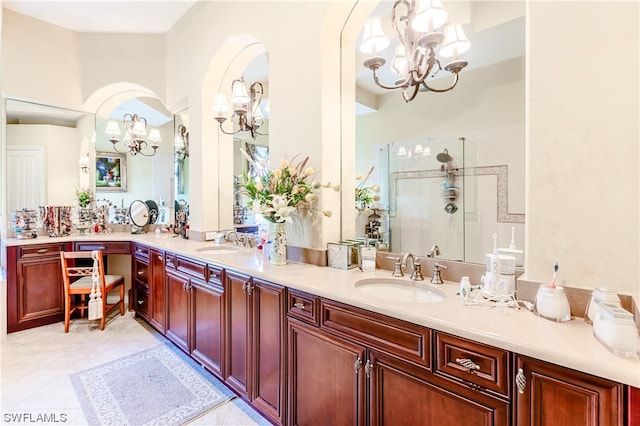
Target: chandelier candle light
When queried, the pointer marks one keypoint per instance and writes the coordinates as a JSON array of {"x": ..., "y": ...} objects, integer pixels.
[
  {"x": 247, "y": 114},
  {"x": 135, "y": 136},
  {"x": 416, "y": 24}
]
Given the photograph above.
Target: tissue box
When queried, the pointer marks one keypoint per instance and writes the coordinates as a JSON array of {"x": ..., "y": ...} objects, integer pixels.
[{"x": 342, "y": 255}]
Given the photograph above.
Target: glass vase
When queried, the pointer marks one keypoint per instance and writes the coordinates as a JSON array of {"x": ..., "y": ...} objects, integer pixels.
[{"x": 278, "y": 247}]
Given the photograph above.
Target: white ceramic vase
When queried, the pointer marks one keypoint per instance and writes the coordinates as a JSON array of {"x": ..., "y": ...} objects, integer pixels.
[{"x": 278, "y": 246}]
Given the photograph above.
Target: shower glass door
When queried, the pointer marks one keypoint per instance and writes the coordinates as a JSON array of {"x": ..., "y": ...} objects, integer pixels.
[{"x": 423, "y": 196}]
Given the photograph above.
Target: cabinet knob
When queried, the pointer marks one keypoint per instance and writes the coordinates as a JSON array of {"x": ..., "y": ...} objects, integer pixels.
[
  {"x": 521, "y": 381},
  {"x": 468, "y": 364},
  {"x": 140, "y": 302},
  {"x": 299, "y": 305},
  {"x": 160, "y": 258},
  {"x": 140, "y": 273}
]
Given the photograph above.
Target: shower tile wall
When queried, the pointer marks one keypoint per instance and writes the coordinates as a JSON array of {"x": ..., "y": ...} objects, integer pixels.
[{"x": 417, "y": 217}]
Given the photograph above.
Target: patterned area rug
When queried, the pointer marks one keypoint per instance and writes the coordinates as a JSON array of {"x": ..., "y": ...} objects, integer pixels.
[{"x": 155, "y": 386}]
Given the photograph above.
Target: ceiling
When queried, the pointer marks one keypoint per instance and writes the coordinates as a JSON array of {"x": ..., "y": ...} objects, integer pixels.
[
  {"x": 100, "y": 16},
  {"x": 492, "y": 42}
]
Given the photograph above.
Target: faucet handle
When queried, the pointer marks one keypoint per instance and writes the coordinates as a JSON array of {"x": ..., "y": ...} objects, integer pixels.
[
  {"x": 397, "y": 267},
  {"x": 436, "y": 278},
  {"x": 439, "y": 266}
]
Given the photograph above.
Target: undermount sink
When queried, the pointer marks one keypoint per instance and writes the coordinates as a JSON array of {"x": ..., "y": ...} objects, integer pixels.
[
  {"x": 217, "y": 250},
  {"x": 400, "y": 290}
]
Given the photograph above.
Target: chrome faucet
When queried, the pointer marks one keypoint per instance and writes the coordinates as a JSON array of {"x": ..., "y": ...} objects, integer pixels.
[
  {"x": 416, "y": 272},
  {"x": 233, "y": 236},
  {"x": 435, "y": 251}
]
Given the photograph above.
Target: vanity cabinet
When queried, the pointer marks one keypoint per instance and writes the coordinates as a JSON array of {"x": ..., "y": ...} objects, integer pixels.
[
  {"x": 255, "y": 344},
  {"x": 195, "y": 310},
  {"x": 375, "y": 370},
  {"x": 149, "y": 285},
  {"x": 35, "y": 294},
  {"x": 549, "y": 394}
]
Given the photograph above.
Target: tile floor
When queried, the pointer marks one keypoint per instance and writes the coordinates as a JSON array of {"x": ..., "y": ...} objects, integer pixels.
[{"x": 36, "y": 365}]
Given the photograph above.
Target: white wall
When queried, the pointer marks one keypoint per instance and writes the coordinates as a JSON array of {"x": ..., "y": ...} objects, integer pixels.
[{"x": 583, "y": 142}]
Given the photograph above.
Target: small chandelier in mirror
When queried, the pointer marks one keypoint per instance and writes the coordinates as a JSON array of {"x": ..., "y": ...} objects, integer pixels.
[
  {"x": 181, "y": 144},
  {"x": 135, "y": 136},
  {"x": 247, "y": 114},
  {"x": 416, "y": 24}
]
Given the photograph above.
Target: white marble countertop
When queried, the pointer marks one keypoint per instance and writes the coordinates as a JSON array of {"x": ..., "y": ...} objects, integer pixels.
[{"x": 569, "y": 344}]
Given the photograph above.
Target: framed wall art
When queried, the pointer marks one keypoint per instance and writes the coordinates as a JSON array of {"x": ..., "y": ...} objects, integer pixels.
[{"x": 111, "y": 172}]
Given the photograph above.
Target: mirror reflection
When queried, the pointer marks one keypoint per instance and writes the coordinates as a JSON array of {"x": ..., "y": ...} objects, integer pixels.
[
  {"x": 251, "y": 135},
  {"x": 181, "y": 172},
  {"x": 456, "y": 205},
  {"x": 135, "y": 138},
  {"x": 45, "y": 146}
]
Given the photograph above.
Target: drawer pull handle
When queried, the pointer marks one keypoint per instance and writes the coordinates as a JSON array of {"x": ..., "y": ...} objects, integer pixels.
[
  {"x": 521, "y": 381},
  {"x": 467, "y": 363},
  {"x": 299, "y": 305},
  {"x": 357, "y": 364},
  {"x": 368, "y": 367},
  {"x": 43, "y": 251},
  {"x": 140, "y": 302},
  {"x": 140, "y": 273}
]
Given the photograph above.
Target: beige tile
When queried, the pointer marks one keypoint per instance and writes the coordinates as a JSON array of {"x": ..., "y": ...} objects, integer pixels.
[{"x": 35, "y": 366}]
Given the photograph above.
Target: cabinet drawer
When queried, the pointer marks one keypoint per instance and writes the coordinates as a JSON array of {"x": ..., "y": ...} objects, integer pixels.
[
  {"x": 405, "y": 340},
  {"x": 474, "y": 363},
  {"x": 141, "y": 268},
  {"x": 169, "y": 260},
  {"x": 303, "y": 306},
  {"x": 142, "y": 301},
  {"x": 40, "y": 250},
  {"x": 140, "y": 250},
  {"x": 107, "y": 247},
  {"x": 191, "y": 267},
  {"x": 215, "y": 275}
]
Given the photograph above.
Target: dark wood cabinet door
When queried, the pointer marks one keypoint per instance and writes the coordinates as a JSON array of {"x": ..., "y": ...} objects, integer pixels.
[
  {"x": 238, "y": 359},
  {"x": 178, "y": 321},
  {"x": 157, "y": 290},
  {"x": 267, "y": 392},
  {"x": 555, "y": 395},
  {"x": 326, "y": 379},
  {"x": 208, "y": 325},
  {"x": 40, "y": 289},
  {"x": 141, "y": 288},
  {"x": 402, "y": 394}
]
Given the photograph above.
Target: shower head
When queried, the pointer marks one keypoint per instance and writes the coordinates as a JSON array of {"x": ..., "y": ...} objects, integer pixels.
[{"x": 444, "y": 157}]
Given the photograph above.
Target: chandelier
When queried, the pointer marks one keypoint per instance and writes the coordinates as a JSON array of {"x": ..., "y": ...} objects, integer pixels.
[
  {"x": 135, "y": 136},
  {"x": 416, "y": 24},
  {"x": 181, "y": 144},
  {"x": 247, "y": 114}
]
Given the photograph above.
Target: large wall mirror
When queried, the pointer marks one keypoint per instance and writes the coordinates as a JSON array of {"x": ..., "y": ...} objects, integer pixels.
[
  {"x": 149, "y": 172},
  {"x": 44, "y": 146},
  {"x": 256, "y": 145},
  {"x": 181, "y": 164},
  {"x": 426, "y": 198}
]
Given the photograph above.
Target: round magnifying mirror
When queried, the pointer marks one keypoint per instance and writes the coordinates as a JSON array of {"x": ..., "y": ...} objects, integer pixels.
[{"x": 139, "y": 214}]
